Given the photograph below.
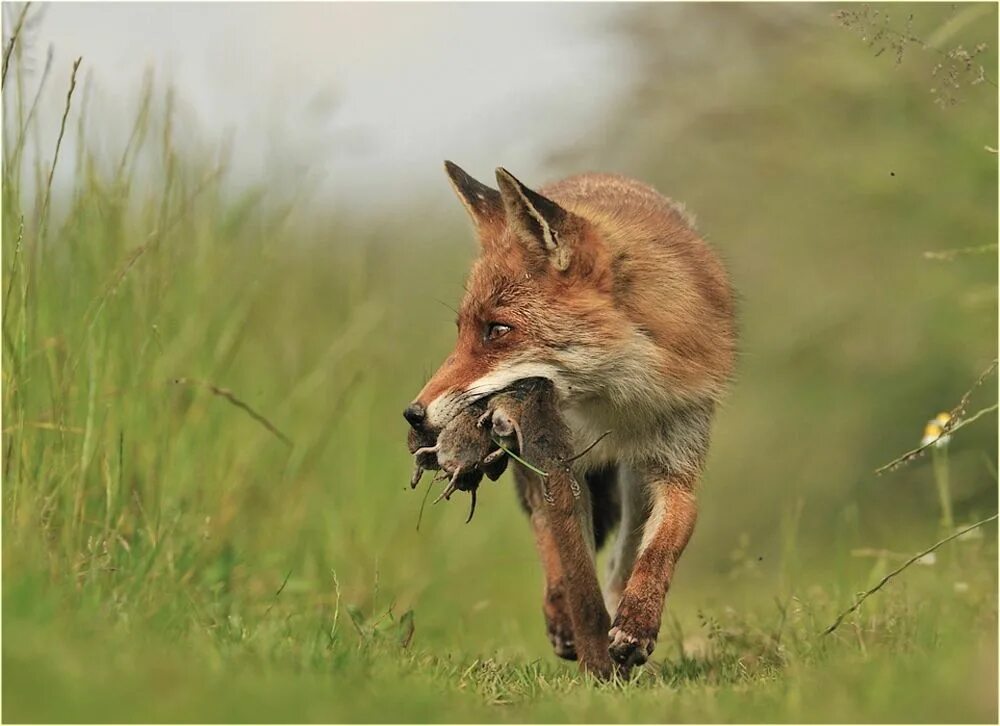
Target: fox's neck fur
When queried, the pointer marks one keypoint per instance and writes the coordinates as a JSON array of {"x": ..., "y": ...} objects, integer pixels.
[{"x": 656, "y": 390}]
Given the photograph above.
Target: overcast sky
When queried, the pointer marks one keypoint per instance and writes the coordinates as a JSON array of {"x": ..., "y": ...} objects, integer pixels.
[{"x": 363, "y": 95}]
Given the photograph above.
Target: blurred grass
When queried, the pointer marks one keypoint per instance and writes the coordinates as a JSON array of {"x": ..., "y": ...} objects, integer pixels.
[{"x": 148, "y": 524}]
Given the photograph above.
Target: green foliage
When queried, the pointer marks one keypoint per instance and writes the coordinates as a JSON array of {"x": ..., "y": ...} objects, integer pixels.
[{"x": 167, "y": 555}]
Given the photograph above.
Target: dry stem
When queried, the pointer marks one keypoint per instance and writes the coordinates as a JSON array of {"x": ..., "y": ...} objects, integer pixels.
[
  {"x": 231, "y": 397},
  {"x": 864, "y": 596},
  {"x": 954, "y": 423}
]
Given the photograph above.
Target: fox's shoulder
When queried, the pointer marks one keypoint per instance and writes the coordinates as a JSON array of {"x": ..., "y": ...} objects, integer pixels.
[
  {"x": 668, "y": 278},
  {"x": 613, "y": 197}
]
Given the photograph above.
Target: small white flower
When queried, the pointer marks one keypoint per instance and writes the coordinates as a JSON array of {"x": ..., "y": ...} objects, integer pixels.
[{"x": 929, "y": 559}]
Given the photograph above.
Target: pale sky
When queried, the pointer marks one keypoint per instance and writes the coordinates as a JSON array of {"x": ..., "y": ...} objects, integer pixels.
[{"x": 361, "y": 95}]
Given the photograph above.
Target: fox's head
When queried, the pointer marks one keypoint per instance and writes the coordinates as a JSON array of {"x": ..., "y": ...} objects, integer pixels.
[{"x": 536, "y": 301}]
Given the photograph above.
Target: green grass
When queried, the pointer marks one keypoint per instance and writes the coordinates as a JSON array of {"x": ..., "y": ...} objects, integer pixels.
[
  {"x": 904, "y": 659},
  {"x": 166, "y": 556}
]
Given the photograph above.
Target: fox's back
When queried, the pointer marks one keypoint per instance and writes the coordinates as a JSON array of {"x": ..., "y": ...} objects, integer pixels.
[
  {"x": 667, "y": 279},
  {"x": 616, "y": 198}
]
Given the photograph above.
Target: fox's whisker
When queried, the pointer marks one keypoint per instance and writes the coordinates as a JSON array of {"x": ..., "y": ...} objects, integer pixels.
[
  {"x": 442, "y": 302},
  {"x": 479, "y": 388}
]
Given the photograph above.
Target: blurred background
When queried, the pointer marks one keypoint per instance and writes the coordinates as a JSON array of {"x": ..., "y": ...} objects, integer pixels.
[{"x": 220, "y": 295}]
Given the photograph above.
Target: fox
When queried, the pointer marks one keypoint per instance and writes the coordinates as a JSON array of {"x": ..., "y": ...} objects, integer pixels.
[{"x": 602, "y": 286}]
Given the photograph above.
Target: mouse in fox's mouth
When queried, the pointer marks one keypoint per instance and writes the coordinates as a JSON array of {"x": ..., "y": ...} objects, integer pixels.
[{"x": 464, "y": 451}]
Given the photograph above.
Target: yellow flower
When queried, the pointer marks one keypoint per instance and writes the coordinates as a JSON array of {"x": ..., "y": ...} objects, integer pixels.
[{"x": 934, "y": 428}]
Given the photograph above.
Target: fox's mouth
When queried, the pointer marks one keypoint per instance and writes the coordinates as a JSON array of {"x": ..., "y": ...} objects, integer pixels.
[
  {"x": 421, "y": 439},
  {"x": 476, "y": 442},
  {"x": 463, "y": 452}
]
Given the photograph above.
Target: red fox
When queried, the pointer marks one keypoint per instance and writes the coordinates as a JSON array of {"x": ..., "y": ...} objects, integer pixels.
[{"x": 602, "y": 286}]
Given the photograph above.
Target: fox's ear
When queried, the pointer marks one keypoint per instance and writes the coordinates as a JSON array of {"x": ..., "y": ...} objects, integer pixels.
[
  {"x": 483, "y": 203},
  {"x": 535, "y": 217}
]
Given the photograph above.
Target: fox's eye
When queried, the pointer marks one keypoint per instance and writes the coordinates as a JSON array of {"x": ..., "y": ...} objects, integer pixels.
[{"x": 496, "y": 330}]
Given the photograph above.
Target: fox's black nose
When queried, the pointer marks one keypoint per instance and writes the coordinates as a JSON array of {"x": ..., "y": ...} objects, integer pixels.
[{"x": 415, "y": 413}]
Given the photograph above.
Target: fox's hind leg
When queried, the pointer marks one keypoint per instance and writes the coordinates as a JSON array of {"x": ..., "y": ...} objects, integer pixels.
[
  {"x": 634, "y": 498},
  {"x": 558, "y": 625}
]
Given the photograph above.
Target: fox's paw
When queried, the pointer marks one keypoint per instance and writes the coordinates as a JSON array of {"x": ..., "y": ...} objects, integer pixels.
[
  {"x": 558, "y": 626},
  {"x": 629, "y": 643},
  {"x": 561, "y": 638}
]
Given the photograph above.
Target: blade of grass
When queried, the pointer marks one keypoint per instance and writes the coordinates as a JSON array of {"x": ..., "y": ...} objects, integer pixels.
[
  {"x": 517, "y": 458},
  {"x": 62, "y": 132},
  {"x": 13, "y": 41}
]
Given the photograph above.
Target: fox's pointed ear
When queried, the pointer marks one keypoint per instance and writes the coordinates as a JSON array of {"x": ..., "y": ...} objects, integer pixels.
[
  {"x": 483, "y": 203},
  {"x": 535, "y": 217}
]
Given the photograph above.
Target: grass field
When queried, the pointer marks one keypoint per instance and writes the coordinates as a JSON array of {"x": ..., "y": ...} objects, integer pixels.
[{"x": 206, "y": 511}]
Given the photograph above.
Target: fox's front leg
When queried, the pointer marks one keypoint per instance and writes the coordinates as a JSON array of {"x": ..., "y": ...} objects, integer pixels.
[
  {"x": 666, "y": 534},
  {"x": 568, "y": 511},
  {"x": 558, "y": 625}
]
